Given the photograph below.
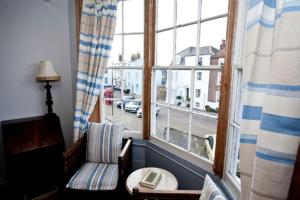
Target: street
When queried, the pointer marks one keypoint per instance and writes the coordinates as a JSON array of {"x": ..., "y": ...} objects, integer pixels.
[{"x": 179, "y": 126}]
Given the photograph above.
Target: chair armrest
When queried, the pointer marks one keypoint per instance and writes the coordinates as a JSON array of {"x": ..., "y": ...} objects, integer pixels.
[
  {"x": 125, "y": 161},
  {"x": 141, "y": 193},
  {"x": 74, "y": 157}
]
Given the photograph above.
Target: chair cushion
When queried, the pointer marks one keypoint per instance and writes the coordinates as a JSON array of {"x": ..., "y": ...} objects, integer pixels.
[
  {"x": 210, "y": 191},
  {"x": 95, "y": 176},
  {"x": 104, "y": 142}
]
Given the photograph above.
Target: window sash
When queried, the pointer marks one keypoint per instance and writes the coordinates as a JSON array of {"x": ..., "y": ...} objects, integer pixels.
[{"x": 122, "y": 67}]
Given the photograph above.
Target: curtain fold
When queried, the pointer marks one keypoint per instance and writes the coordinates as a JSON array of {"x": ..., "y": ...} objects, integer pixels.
[
  {"x": 270, "y": 129},
  {"x": 97, "y": 27}
]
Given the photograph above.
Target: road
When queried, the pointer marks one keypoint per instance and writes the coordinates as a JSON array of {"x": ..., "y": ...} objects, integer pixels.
[{"x": 179, "y": 126}]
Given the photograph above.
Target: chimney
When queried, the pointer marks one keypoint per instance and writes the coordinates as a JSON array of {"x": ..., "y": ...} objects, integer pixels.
[{"x": 222, "y": 45}]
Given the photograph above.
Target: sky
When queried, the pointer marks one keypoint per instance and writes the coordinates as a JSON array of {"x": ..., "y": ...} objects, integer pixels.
[{"x": 212, "y": 32}]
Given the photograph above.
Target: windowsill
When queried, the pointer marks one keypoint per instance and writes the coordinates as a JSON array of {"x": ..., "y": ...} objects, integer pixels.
[
  {"x": 134, "y": 135},
  {"x": 233, "y": 186},
  {"x": 196, "y": 160}
]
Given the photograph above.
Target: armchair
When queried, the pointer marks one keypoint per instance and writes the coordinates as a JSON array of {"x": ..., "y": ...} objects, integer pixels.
[{"x": 98, "y": 163}]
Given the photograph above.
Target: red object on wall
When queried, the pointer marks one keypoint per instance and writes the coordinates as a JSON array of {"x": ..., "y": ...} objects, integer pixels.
[{"x": 108, "y": 93}]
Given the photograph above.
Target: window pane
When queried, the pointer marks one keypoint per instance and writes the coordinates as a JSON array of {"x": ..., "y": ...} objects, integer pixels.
[
  {"x": 133, "y": 82},
  {"x": 112, "y": 112},
  {"x": 180, "y": 88},
  {"x": 112, "y": 83},
  {"x": 134, "y": 50},
  {"x": 213, "y": 7},
  {"x": 165, "y": 14},
  {"x": 115, "y": 58},
  {"x": 186, "y": 45},
  {"x": 212, "y": 33},
  {"x": 203, "y": 126},
  {"x": 161, "y": 121},
  {"x": 133, "y": 16},
  {"x": 132, "y": 121},
  {"x": 161, "y": 81},
  {"x": 206, "y": 91},
  {"x": 179, "y": 128},
  {"x": 237, "y": 103},
  {"x": 235, "y": 151},
  {"x": 187, "y": 11},
  {"x": 119, "y": 19},
  {"x": 164, "y": 50}
]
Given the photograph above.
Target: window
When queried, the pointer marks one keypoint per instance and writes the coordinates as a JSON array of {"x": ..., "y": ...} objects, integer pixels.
[
  {"x": 199, "y": 76},
  {"x": 235, "y": 125},
  {"x": 125, "y": 67},
  {"x": 198, "y": 92},
  {"x": 187, "y": 50},
  {"x": 232, "y": 173}
]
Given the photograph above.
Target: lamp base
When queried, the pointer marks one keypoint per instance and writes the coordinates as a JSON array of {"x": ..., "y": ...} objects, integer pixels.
[{"x": 49, "y": 101}]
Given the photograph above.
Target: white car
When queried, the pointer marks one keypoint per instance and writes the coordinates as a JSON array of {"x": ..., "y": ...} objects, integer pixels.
[
  {"x": 133, "y": 106},
  {"x": 139, "y": 113},
  {"x": 126, "y": 99}
]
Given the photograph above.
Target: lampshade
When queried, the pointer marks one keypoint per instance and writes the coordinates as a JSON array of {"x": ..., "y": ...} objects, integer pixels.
[{"x": 47, "y": 72}]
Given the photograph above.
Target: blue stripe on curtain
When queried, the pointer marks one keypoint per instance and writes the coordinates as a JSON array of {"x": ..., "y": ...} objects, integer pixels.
[
  {"x": 94, "y": 54},
  {"x": 270, "y": 24},
  {"x": 269, "y": 3},
  {"x": 101, "y": 7},
  {"x": 88, "y": 83},
  {"x": 280, "y": 124},
  {"x": 93, "y": 45},
  {"x": 275, "y": 89},
  {"x": 248, "y": 139},
  {"x": 276, "y": 153},
  {"x": 96, "y": 15},
  {"x": 275, "y": 158},
  {"x": 252, "y": 112}
]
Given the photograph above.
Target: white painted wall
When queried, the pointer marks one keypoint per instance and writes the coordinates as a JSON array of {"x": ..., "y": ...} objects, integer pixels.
[{"x": 30, "y": 31}]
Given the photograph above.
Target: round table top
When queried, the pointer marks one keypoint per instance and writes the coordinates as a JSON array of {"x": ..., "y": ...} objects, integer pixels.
[{"x": 167, "y": 181}]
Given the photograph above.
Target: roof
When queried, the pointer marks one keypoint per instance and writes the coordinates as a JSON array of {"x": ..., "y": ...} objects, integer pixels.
[{"x": 191, "y": 51}]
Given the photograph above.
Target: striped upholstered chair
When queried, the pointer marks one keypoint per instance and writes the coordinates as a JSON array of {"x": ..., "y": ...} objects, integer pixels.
[{"x": 98, "y": 164}]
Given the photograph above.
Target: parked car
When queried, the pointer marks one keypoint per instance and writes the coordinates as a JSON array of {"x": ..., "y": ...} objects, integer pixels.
[
  {"x": 139, "y": 113},
  {"x": 126, "y": 99},
  {"x": 133, "y": 106}
]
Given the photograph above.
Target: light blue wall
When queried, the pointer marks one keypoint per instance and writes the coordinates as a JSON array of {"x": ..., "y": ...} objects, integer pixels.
[{"x": 30, "y": 31}]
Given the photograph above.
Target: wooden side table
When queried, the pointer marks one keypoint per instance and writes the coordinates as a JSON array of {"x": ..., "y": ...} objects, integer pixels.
[{"x": 167, "y": 181}]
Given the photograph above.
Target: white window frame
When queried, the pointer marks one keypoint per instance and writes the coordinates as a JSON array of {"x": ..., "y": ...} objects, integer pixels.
[
  {"x": 123, "y": 68},
  {"x": 231, "y": 181},
  {"x": 187, "y": 154}
]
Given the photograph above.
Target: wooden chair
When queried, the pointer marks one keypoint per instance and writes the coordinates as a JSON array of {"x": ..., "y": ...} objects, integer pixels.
[
  {"x": 149, "y": 194},
  {"x": 76, "y": 156}
]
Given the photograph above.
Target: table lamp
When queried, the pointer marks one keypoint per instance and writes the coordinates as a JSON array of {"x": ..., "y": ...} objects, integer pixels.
[{"x": 47, "y": 74}]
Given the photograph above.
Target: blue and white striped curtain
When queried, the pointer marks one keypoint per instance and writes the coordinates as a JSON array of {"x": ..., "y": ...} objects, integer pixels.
[
  {"x": 97, "y": 27},
  {"x": 270, "y": 130}
]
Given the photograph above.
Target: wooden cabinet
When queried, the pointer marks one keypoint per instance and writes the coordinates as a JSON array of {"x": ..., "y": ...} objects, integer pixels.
[{"x": 33, "y": 150}]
